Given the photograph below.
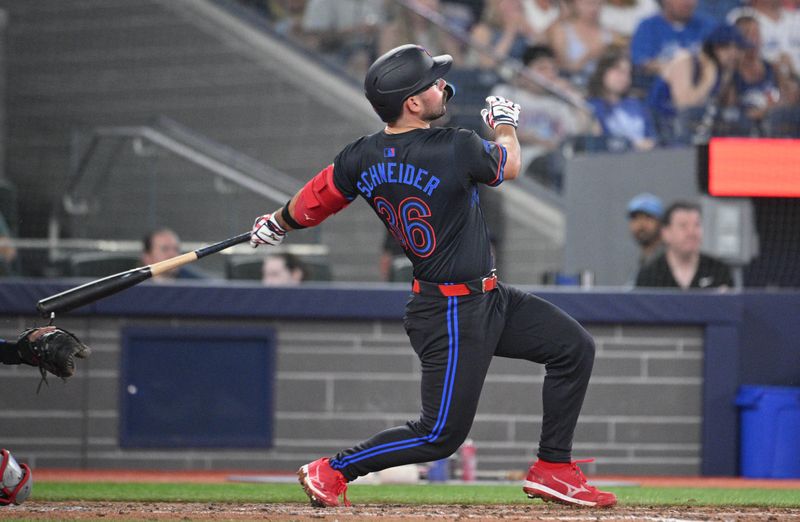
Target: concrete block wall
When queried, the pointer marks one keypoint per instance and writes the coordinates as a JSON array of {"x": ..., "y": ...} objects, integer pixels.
[{"x": 340, "y": 381}]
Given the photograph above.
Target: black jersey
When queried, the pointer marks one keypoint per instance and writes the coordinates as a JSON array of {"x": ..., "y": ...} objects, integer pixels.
[
  {"x": 711, "y": 273},
  {"x": 422, "y": 184}
]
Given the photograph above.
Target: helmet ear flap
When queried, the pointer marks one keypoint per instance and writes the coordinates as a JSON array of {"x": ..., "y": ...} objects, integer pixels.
[{"x": 449, "y": 90}]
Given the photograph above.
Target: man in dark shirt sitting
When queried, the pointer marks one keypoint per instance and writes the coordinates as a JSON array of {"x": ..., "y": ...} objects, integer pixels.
[{"x": 682, "y": 265}]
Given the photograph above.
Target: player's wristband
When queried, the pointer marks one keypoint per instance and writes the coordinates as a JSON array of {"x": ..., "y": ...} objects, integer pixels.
[{"x": 287, "y": 217}]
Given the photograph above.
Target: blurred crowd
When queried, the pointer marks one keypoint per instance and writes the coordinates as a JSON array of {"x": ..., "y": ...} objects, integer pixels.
[{"x": 605, "y": 75}]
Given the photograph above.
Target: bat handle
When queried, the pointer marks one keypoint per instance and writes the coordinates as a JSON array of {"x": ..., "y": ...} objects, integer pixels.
[
  {"x": 175, "y": 262},
  {"x": 244, "y": 237}
]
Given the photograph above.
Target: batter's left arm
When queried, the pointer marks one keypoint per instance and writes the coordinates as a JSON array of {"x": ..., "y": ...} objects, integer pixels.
[
  {"x": 502, "y": 116},
  {"x": 309, "y": 207},
  {"x": 506, "y": 135}
]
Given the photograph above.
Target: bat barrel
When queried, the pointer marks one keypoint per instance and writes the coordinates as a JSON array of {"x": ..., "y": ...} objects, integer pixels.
[{"x": 92, "y": 291}]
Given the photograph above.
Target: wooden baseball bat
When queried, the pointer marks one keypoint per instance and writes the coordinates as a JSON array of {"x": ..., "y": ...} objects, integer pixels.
[{"x": 95, "y": 290}]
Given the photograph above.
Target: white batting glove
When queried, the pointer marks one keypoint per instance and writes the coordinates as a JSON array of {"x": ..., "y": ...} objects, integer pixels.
[
  {"x": 267, "y": 231},
  {"x": 500, "y": 111}
]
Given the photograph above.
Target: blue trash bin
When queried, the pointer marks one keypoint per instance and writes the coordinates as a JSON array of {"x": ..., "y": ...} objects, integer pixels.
[{"x": 770, "y": 431}]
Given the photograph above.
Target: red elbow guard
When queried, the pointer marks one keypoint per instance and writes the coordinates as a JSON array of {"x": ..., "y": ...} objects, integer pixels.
[{"x": 318, "y": 199}]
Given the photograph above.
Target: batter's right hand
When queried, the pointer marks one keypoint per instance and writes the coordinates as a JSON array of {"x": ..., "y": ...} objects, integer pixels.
[
  {"x": 500, "y": 111},
  {"x": 267, "y": 231}
]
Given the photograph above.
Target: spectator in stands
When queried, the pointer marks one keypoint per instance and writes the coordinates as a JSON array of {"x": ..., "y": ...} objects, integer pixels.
[
  {"x": 541, "y": 14},
  {"x": 718, "y": 10},
  {"x": 546, "y": 121},
  {"x": 645, "y": 212},
  {"x": 346, "y": 30},
  {"x": 286, "y": 16},
  {"x": 504, "y": 30},
  {"x": 8, "y": 254},
  {"x": 759, "y": 85},
  {"x": 623, "y": 16},
  {"x": 162, "y": 244},
  {"x": 779, "y": 32},
  {"x": 682, "y": 265},
  {"x": 658, "y": 38},
  {"x": 579, "y": 40},
  {"x": 620, "y": 115},
  {"x": 408, "y": 25},
  {"x": 462, "y": 14},
  {"x": 283, "y": 269},
  {"x": 690, "y": 84}
]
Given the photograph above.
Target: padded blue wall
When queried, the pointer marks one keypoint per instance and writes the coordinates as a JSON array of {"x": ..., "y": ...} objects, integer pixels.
[
  {"x": 749, "y": 337},
  {"x": 209, "y": 387}
]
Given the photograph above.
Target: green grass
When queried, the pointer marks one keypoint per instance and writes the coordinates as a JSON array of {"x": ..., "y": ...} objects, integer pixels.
[{"x": 396, "y": 494}]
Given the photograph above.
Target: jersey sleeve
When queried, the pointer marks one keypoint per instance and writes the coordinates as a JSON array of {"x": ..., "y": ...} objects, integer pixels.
[
  {"x": 342, "y": 176},
  {"x": 484, "y": 161}
]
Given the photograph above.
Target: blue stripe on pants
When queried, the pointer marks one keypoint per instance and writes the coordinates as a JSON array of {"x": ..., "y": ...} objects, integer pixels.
[{"x": 444, "y": 405}]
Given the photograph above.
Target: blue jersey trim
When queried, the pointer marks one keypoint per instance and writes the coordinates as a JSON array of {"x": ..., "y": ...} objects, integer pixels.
[
  {"x": 444, "y": 407},
  {"x": 501, "y": 167}
]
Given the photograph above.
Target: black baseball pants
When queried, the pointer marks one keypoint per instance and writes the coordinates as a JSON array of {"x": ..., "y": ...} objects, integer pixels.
[{"x": 455, "y": 339}]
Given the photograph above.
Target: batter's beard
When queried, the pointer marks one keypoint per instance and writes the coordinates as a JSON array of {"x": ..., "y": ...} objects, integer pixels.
[{"x": 435, "y": 114}]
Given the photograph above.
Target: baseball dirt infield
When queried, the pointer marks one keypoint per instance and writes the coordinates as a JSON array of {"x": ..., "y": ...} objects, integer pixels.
[
  {"x": 384, "y": 513},
  {"x": 39, "y": 509}
]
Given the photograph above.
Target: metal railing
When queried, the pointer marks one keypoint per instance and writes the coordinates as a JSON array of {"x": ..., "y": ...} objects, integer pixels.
[
  {"x": 169, "y": 135},
  {"x": 96, "y": 153}
]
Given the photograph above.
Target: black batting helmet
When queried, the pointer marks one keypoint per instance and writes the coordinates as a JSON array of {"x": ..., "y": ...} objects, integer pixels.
[{"x": 401, "y": 73}]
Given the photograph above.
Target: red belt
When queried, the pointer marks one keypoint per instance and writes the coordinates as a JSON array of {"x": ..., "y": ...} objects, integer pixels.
[{"x": 476, "y": 286}]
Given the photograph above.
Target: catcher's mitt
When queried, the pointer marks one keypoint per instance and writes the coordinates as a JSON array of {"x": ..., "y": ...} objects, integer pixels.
[{"x": 52, "y": 350}]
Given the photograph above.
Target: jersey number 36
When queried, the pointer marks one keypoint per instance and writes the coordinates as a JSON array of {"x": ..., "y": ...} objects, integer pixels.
[{"x": 407, "y": 224}]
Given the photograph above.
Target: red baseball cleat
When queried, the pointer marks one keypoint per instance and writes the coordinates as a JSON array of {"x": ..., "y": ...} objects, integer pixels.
[
  {"x": 323, "y": 484},
  {"x": 565, "y": 483}
]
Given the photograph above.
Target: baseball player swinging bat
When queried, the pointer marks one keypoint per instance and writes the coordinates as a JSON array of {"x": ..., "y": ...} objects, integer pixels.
[{"x": 95, "y": 290}]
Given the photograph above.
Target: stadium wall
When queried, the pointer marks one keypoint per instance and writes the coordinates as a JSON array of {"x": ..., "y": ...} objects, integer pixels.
[{"x": 660, "y": 401}]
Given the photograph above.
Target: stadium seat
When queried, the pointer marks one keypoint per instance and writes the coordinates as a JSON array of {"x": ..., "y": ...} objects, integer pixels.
[
  {"x": 783, "y": 122},
  {"x": 317, "y": 269},
  {"x": 587, "y": 144},
  {"x": 244, "y": 267},
  {"x": 99, "y": 264},
  {"x": 250, "y": 268}
]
